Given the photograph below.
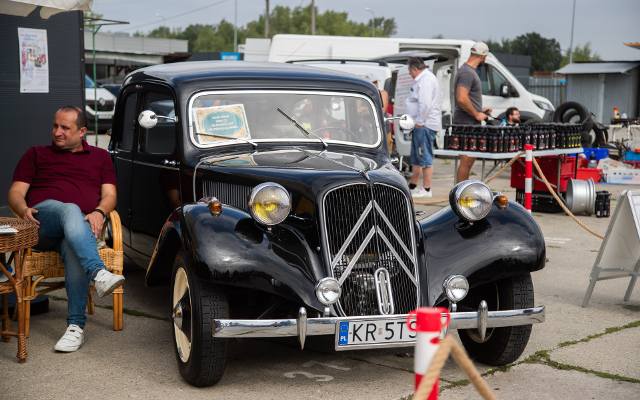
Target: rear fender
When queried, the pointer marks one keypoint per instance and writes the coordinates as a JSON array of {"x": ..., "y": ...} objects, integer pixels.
[{"x": 505, "y": 243}]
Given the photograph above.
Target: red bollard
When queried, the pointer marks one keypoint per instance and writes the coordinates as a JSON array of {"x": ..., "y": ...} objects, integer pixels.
[
  {"x": 528, "y": 176},
  {"x": 428, "y": 326}
]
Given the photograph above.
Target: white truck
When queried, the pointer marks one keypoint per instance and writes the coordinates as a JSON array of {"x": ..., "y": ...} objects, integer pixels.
[
  {"x": 98, "y": 101},
  {"x": 500, "y": 88}
]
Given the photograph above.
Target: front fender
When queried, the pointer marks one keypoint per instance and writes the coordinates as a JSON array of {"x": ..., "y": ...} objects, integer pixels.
[
  {"x": 232, "y": 249},
  {"x": 507, "y": 242}
]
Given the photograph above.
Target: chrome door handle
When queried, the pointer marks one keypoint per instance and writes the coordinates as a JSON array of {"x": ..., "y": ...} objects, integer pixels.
[
  {"x": 113, "y": 151},
  {"x": 170, "y": 163}
]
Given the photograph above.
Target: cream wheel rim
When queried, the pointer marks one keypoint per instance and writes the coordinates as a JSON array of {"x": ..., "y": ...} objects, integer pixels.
[{"x": 181, "y": 314}]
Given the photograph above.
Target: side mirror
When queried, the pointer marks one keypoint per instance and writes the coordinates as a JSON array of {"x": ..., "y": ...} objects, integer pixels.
[
  {"x": 147, "y": 119},
  {"x": 505, "y": 90},
  {"x": 405, "y": 121}
]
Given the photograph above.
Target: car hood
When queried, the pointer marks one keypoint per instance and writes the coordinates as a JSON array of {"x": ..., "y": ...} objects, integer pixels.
[{"x": 306, "y": 174}]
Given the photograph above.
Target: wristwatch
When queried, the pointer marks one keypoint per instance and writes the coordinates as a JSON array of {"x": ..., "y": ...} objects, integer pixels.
[{"x": 101, "y": 212}]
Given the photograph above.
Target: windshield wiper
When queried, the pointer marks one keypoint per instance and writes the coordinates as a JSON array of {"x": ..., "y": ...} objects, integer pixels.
[
  {"x": 251, "y": 142},
  {"x": 302, "y": 128}
]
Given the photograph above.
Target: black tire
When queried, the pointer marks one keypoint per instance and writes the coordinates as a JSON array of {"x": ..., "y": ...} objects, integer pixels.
[
  {"x": 502, "y": 345},
  {"x": 205, "y": 362},
  {"x": 565, "y": 111}
]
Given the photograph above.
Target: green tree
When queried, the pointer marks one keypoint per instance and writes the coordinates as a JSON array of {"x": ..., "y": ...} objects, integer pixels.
[
  {"x": 545, "y": 53},
  {"x": 581, "y": 54},
  {"x": 281, "y": 20}
]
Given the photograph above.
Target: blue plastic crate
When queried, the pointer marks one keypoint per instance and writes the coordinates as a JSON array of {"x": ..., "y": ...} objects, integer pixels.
[
  {"x": 631, "y": 156},
  {"x": 596, "y": 153}
]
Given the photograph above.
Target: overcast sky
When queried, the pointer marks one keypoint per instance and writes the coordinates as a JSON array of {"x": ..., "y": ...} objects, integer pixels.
[{"x": 604, "y": 23}]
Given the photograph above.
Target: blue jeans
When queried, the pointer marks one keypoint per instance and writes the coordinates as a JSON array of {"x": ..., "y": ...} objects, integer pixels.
[
  {"x": 422, "y": 146},
  {"x": 64, "y": 229}
]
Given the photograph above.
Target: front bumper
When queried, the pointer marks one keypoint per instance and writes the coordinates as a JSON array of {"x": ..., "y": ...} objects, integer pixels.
[{"x": 303, "y": 326}]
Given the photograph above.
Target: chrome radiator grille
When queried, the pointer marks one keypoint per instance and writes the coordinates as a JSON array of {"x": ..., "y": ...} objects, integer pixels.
[
  {"x": 228, "y": 193},
  {"x": 368, "y": 229}
]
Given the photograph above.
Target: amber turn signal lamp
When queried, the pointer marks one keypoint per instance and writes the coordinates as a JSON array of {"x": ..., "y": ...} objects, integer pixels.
[
  {"x": 215, "y": 206},
  {"x": 502, "y": 201}
]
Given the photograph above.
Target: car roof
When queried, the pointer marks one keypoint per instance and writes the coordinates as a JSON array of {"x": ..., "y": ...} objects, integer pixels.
[{"x": 185, "y": 72}]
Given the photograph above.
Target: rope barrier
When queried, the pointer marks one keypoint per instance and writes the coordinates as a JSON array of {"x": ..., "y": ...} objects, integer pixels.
[
  {"x": 561, "y": 202},
  {"x": 508, "y": 164},
  {"x": 447, "y": 347}
]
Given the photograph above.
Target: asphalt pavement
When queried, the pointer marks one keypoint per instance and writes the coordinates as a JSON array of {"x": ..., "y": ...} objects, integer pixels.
[{"x": 577, "y": 353}]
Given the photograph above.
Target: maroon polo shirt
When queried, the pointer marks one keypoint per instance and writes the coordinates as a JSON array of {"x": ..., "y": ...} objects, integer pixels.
[{"x": 68, "y": 177}]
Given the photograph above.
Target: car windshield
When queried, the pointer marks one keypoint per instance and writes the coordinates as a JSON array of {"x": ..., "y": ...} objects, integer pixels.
[
  {"x": 218, "y": 118},
  {"x": 88, "y": 82}
]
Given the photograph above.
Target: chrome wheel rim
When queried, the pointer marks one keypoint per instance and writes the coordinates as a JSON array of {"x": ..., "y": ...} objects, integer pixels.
[{"x": 181, "y": 314}]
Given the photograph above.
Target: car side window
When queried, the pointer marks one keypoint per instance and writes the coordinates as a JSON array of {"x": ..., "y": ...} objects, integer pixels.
[
  {"x": 160, "y": 139},
  {"x": 497, "y": 79},
  {"x": 128, "y": 122},
  {"x": 484, "y": 79}
]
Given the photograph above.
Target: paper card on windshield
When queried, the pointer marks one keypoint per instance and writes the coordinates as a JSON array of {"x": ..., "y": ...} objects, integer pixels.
[{"x": 217, "y": 123}]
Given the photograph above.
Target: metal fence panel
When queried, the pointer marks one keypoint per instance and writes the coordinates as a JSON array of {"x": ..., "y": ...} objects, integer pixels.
[{"x": 554, "y": 89}]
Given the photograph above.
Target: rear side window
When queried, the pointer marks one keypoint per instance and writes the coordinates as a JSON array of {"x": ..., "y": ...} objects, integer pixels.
[
  {"x": 160, "y": 139},
  {"x": 129, "y": 122}
]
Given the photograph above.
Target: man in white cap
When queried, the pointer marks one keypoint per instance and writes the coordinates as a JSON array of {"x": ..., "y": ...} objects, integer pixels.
[{"x": 468, "y": 110}]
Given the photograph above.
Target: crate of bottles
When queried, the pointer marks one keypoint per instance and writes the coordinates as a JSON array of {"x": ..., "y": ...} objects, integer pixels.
[{"x": 508, "y": 139}]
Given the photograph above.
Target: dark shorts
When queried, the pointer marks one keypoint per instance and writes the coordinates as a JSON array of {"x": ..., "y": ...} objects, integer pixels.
[{"x": 422, "y": 146}]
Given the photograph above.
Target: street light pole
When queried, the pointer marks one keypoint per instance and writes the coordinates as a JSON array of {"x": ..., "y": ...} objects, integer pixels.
[
  {"x": 373, "y": 19},
  {"x": 573, "y": 18},
  {"x": 235, "y": 26},
  {"x": 266, "y": 20},
  {"x": 313, "y": 17}
]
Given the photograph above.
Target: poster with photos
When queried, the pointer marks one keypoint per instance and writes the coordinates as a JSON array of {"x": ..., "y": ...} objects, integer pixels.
[{"x": 34, "y": 60}]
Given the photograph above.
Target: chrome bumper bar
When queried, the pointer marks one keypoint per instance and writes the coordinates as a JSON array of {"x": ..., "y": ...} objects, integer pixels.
[{"x": 303, "y": 326}]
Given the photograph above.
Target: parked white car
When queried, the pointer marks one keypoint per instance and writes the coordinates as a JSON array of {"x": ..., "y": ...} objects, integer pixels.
[{"x": 98, "y": 101}]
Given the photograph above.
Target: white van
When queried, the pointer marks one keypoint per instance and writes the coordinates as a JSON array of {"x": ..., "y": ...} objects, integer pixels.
[
  {"x": 98, "y": 101},
  {"x": 501, "y": 89}
]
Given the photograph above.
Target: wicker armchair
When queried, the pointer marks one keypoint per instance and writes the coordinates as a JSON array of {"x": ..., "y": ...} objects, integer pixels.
[{"x": 42, "y": 265}]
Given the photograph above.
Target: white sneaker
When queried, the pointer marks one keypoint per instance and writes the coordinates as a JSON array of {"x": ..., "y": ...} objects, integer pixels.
[
  {"x": 71, "y": 340},
  {"x": 418, "y": 193},
  {"x": 106, "y": 282},
  {"x": 427, "y": 193}
]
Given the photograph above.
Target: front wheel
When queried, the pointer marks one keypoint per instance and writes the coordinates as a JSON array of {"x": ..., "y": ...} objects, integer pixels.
[
  {"x": 500, "y": 346},
  {"x": 194, "y": 305}
]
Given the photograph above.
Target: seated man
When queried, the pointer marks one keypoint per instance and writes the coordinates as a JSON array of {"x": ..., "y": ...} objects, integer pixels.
[
  {"x": 511, "y": 117},
  {"x": 67, "y": 189}
]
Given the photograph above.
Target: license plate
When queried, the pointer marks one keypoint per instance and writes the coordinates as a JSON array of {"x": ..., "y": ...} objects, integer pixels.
[{"x": 368, "y": 333}]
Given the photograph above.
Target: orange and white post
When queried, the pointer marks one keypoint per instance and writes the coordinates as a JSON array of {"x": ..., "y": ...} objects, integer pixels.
[
  {"x": 528, "y": 176},
  {"x": 428, "y": 325}
]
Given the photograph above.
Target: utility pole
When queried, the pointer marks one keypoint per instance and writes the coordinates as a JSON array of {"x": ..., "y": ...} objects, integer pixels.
[
  {"x": 313, "y": 17},
  {"x": 573, "y": 18},
  {"x": 266, "y": 20}
]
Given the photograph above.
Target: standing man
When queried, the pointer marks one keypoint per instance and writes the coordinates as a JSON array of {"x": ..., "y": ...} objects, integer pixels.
[
  {"x": 423, "y": 105},
  {"x": 468, "y": 92},
  {"x": 67, "y": 189}
]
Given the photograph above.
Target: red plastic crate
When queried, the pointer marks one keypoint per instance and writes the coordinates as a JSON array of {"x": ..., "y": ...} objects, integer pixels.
[
  {"x": 549, "y": 165},
  {"x": 586, "y": 173}
]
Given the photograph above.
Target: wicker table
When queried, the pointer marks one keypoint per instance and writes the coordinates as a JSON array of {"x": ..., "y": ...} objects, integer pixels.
[{"x": 14, "y": 246}]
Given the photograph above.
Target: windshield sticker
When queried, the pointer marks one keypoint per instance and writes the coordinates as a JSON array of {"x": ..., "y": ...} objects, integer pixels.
[{"x": 221, "y": 122}]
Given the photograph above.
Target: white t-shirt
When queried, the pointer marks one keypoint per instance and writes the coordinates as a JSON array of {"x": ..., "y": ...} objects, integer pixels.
[{"x": 423, "y": 103}]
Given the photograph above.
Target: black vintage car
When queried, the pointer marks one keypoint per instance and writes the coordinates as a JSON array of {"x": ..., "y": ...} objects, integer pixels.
[{"x": 265, "y": 196}]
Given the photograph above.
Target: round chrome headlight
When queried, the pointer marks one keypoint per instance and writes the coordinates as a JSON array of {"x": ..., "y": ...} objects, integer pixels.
[
  {"x": 471, "y": 200},
  {"x": 456, "y": 288},
  {"x": 328, "y": 291},
  {"x": 269, "y": 203}
]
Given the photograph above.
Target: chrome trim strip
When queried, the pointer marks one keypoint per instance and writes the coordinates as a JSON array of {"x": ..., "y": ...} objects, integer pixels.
[
  {"x": 248, "y": 328},
  {"x": 357, "y": 255},
  {"x": 395, "y": 233},
  {"x": 398, "y": 258},
  {"x": 283, "y": 140},
  {"x": 349, "y": 238}
]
